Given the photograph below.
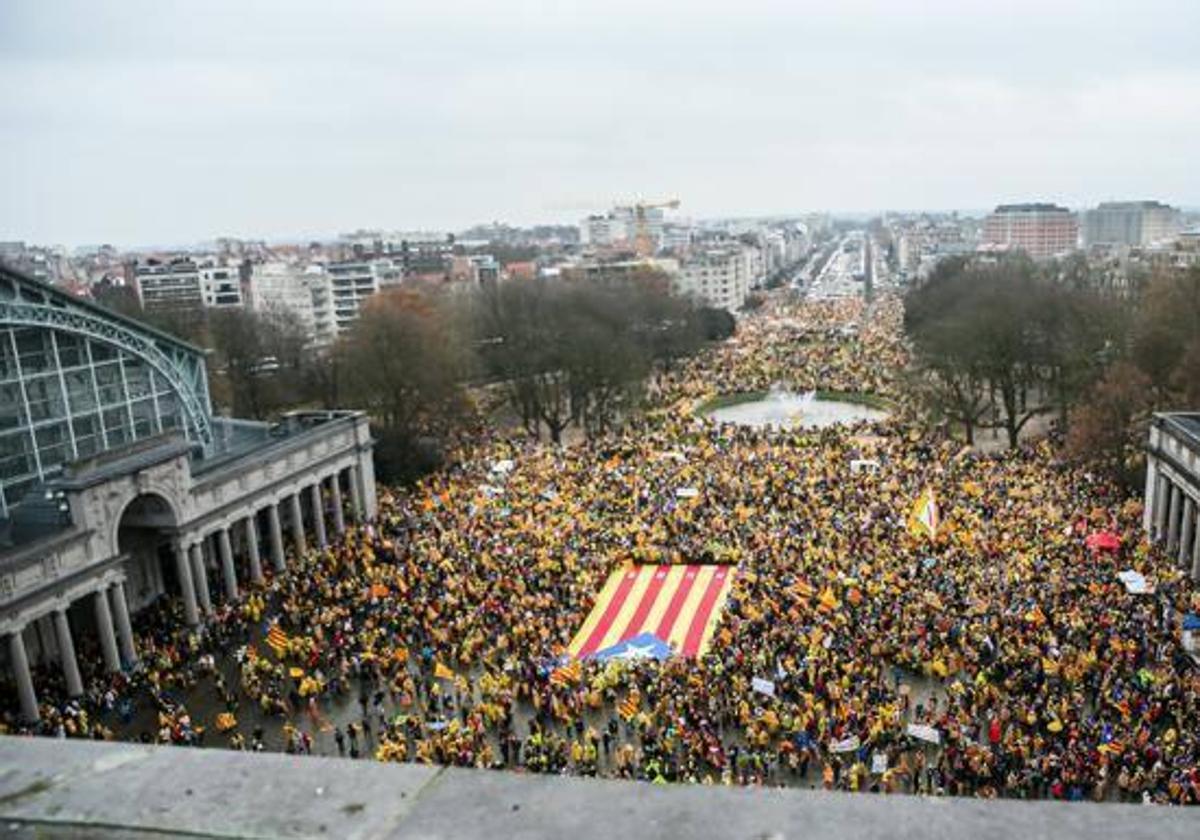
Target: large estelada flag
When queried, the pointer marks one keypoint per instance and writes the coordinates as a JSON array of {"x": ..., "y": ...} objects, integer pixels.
[{"x": 654, "y": 612}]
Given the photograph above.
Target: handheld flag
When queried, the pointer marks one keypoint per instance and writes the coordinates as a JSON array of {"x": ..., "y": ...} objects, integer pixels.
[
  {"x": 441, "y": 672},
  {"x": 629, "y": 706},
  {"x": 277, "y": 640},
  {"x": 924, "y": 516},
  {"x": 567, "y": 674},
  {"x": 828, "y": 602}
]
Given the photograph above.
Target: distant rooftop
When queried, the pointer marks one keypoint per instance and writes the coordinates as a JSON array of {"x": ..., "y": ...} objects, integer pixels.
[
  {"x": 62, "y": 297},
  {"x": 1031, "y": 207},
  {"x": 1133, "y": 205},
  {"x": 235, "y": 440},
  {"x": 41, "y": 514}
]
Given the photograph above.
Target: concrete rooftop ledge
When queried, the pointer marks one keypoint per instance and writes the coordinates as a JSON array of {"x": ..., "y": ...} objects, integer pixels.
[{"x": 83, "y": 789}]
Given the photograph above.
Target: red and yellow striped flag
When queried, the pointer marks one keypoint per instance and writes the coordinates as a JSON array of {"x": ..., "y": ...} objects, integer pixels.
[
  {"x": 630, "y": 705},
  {"x": 679, "y": 604},
  {"x": 568, "y": 674},
  {"x": 277, "y": 640}
]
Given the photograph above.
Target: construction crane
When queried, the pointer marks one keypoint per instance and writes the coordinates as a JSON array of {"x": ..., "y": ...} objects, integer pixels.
[{"x": 643, "y": 243}]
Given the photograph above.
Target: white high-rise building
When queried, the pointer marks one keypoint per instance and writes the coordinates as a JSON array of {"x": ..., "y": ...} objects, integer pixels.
[
  {"x": 287, "y": 287},
  {"x": 603, "y": 231},
  {"x": 352, "y": 282},
  {"x": 719, "y": 277},
  {"x": 186, "y": 283},
  {"x": 220, "y": 286}
]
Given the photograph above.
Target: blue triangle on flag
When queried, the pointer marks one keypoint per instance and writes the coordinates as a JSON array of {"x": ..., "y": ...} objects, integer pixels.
[{"x": 641, "y": 646}]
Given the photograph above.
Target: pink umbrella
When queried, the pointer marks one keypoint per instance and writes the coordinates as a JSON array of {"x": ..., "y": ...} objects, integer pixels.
[{"x": 1103, "y": 541}]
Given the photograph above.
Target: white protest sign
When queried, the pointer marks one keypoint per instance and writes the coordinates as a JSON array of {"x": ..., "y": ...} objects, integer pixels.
[
  {"x": 763, "y": 686},
  {"x": 845, "y": 745},
  {"x": 922, "y": 732}
]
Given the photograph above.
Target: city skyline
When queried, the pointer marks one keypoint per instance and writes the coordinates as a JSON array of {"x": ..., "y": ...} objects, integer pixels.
[{"x": 144, "y": 124}]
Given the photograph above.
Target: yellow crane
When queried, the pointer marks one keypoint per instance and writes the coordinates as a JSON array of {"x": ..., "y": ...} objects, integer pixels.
[{"x": 643, "y": 243}]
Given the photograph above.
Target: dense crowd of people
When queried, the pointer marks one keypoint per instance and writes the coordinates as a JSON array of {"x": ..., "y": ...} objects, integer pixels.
[{"x": 1000, "y": 657}]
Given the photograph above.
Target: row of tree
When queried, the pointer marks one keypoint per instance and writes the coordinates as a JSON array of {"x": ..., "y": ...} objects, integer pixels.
[
  {"x": 559, "y": 353},
  {"x": 1015, "y": 340},
  {"x": 1158, "y": 369},
  {"x": 579, "y": 353},
  {"x": 1006, "y": 338}
]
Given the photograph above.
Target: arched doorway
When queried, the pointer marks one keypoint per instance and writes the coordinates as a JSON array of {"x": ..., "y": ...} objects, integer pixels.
[{"x": 144, "y": 537}]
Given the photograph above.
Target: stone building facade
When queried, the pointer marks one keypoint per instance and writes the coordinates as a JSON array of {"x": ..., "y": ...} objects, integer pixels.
[
  {"x": 1172, "y": 497},
  {"x": 169, "y": 501}
]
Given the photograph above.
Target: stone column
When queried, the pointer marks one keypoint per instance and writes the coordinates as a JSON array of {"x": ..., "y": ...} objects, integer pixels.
[
  {"x": 201, "y": 576},
  {"x": 108, "y": 636},
  {"x": 1163, "y": 492},
  {"x": 318, "y": 509},
  {"x": 226, "y": 550},
  {"x": 335, "y": 491},
  {"x": 1150, "y": 497},
  {"x": 120, "y": 610},
  {"x": 297, "y": 523},
  {"x": 183, "y": 571},
  {"x": 252, "y": 555},
  {"x": 1196, "y": 549},
  {"x": 44, "y": 626},
  {"x": 20, "y": 668},
  {"x": 66, "y": 654},
  {"x": 278, "y": 558},
  {"x": 366, "y": 481},
  {"x": 1173, "y": 518},
  {"x": 355, "y": 493},
  {"x": 1187, "y": 526}
]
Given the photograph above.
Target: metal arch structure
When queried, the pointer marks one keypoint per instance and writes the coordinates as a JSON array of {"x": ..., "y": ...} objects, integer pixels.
[{"x": 35, "y": 304}]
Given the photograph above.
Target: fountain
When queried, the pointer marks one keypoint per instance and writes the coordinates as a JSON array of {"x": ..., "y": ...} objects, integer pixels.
[{"x": 783, "y": 408}]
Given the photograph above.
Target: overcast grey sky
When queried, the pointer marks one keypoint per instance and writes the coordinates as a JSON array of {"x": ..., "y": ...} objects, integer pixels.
[{"x": 168, "y": 122}]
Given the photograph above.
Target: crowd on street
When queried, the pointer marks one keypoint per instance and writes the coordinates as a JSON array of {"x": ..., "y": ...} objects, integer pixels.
[{"x": 998, "y": 657}]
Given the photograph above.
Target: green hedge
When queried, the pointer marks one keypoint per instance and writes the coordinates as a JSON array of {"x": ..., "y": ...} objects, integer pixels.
[{"x": 726, "y": 400}]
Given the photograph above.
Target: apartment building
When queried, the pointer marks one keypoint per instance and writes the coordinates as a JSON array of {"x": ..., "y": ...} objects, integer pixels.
[
  {"x": 604, "y": 231},
  {"x": 279, "y": 286},
  {"x": 1130, "y": 223},
  {"x": 1041, "y": 230},
  {"x": 220, "y": 286},
  {"x": 350, "y": 284},
  {"x": 719, "y": 276},
  {"x": 169, "y": 284}
]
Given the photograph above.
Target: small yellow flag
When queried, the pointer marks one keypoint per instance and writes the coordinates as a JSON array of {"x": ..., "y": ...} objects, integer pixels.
[
  {"x": 828, "y": 601},
  {"x": 441, "y": 672},
  {"x": 924, "y": 517}
]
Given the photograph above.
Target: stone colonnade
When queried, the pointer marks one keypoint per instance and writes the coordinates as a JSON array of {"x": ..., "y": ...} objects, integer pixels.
[
  {"x": 1172, "y": 516},
  {"x": 205, "y": 562}
]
